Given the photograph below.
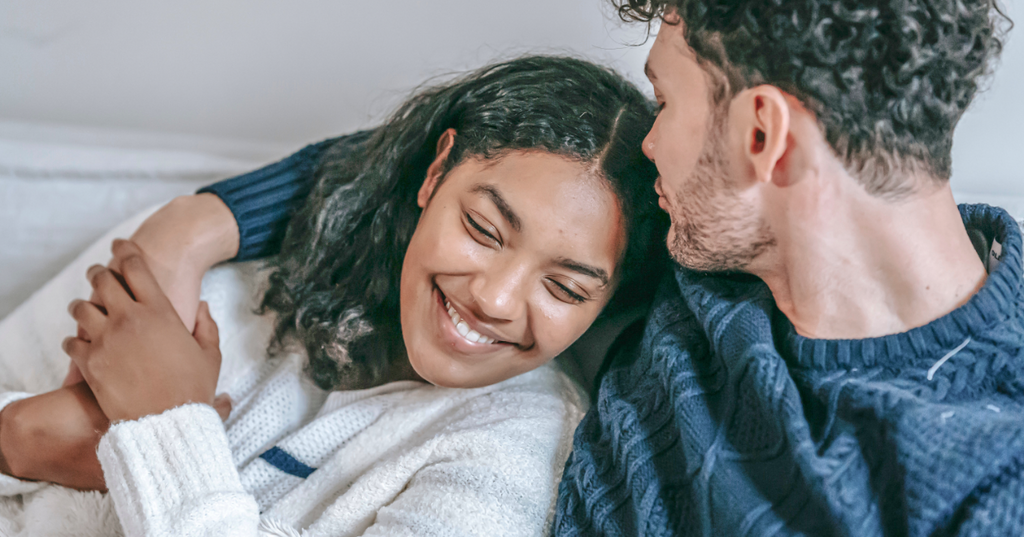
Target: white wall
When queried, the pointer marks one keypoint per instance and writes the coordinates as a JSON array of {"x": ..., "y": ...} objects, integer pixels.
[
  {"x": 989, "y": 141},
  {"x": 284, "y": 73}
]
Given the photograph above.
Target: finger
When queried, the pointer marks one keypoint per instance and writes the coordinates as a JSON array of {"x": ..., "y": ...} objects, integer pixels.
[
  {"x": 90, "y": 319},
  {"x": 141, "y": 281},
  {"x": 96, "y": 300},
  {"x": 123, "y": 248},
  {"x": 222, "y": 404},
  {"x": 206, "y": 332},
  {"x": 108, "y": 289},
  {"x": 73, "y": 377},
  {"x": 78, "y": 350}
]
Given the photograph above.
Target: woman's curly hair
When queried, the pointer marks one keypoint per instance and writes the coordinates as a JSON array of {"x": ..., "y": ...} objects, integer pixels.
[
  {"x": 335, "y": 282},
  {"x": 887, "y": 79}
]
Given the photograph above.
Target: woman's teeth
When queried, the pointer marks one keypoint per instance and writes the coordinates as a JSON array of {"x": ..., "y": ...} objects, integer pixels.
[{"x": 463, "y": 329}]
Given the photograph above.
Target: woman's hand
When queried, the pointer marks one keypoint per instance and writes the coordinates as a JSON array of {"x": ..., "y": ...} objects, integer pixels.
[
  {"x": 53, "y": 437},
  {"x": 180, "y": 242},
  {"x": 135, "y": 352}
]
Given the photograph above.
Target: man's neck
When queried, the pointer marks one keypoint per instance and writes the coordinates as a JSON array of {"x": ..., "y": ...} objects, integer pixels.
[{"x": 862, "y": 267}]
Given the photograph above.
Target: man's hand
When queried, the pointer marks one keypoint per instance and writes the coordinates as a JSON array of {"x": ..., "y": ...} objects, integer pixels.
[
  {"x": 137, "y": 356},
  {"x": 53, "y": 437}
]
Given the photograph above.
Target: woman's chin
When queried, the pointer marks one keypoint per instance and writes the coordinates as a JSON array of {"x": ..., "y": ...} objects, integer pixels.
[
  {"x": 442, "y": 377},
  {"x": 445, "y": 372}
]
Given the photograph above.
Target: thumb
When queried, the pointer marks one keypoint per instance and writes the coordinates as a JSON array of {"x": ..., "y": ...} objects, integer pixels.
[
  {"x": 73, "y": 377},
  {"x": 222, "y": 404},
  {"x": 206, "y": 332}
]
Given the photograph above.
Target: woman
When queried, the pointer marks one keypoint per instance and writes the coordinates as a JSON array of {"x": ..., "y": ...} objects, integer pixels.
[{"x": 463, "y": 244}]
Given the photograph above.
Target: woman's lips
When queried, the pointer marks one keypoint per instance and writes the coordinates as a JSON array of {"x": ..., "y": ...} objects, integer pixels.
[
  {"x": 463, "y": 327},
  {"x": 456, "y": 332}
]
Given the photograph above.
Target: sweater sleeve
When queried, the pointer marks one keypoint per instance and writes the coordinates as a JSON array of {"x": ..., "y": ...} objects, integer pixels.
[
  {"x": 173, "y": 474},
  {"x": 264, "y": 200},
  {"x": 12, "y": 486}
]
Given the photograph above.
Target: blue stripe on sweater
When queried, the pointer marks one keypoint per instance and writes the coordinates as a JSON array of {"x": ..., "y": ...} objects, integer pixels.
[{"x": 284, "y": 461}]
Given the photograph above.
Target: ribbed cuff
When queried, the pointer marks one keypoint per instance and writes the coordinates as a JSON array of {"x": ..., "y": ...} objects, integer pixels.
[
  {"x": 11, "y": 486},
  {"x": 160, "y": 467},
  {"x": 263, "y": 201}
]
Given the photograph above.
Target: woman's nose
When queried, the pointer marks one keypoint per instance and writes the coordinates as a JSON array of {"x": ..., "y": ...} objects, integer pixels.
[{"x": 500, "y": 293}]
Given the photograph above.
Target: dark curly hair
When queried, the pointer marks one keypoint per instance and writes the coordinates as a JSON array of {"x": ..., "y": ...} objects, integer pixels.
[
  {"x": 335, "y": 283},
  {"x": 887, "y": 79}
]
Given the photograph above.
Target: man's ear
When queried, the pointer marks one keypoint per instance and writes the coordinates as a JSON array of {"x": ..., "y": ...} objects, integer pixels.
[
  {"x": 436, "y": 169},
  {"x": 765, "y": 115}
]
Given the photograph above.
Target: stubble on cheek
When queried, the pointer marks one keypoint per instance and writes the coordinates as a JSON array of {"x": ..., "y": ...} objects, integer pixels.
[{"x": 713, "y": 228}]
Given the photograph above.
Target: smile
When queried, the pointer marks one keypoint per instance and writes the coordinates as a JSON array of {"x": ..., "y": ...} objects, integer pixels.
[{"x": 463, "y": 329}]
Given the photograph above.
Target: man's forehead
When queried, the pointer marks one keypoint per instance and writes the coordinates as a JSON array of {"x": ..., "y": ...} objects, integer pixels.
[{"x": 669, "y": 42}]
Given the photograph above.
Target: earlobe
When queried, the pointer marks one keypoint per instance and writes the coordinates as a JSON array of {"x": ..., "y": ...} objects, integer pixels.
[{"x": 436, "y": 169}]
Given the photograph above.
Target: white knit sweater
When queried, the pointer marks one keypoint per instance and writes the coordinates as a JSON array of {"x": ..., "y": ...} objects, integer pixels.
[{"x": 405, "y": 458}]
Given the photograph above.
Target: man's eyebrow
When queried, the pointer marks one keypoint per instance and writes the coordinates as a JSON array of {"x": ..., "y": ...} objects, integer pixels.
[
  {"x": 585, "y": 269},
  {"x": 503, "y": 207},
  {"x": 649, "y": 72}
]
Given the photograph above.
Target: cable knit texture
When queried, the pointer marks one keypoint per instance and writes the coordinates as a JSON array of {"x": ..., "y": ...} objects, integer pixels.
[
  {"x": 724, "y": 421},
  {"x": 405, "y": 458}
]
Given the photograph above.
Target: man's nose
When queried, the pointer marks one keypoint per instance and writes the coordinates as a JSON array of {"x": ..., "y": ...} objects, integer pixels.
[{"x": 648, "y": 146}]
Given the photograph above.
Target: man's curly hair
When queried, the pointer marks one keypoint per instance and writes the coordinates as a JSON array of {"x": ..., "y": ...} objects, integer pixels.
[{"x": 887, "y": 79}]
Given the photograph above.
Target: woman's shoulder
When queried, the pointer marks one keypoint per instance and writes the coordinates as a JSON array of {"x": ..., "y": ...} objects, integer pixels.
[{"x": 540, "y": 408}]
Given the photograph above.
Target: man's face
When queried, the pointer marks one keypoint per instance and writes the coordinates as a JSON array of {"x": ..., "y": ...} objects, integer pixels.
[{"x": 716, "y": 218}]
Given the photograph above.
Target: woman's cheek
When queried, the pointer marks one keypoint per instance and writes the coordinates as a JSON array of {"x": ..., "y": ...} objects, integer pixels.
[{"x": 560, "y": 325}]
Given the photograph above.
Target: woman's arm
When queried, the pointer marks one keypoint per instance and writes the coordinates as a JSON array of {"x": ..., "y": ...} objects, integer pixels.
[{"x": 50, "y": 438}]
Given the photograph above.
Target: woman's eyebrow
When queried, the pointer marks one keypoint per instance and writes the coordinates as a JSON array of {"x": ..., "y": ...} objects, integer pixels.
[
  {"x": 584, "y": 269},
  {"x": 503, "y": 207}
]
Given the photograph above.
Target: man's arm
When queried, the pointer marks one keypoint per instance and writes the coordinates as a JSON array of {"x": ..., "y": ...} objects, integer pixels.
[{"x": 263, "y": 201}]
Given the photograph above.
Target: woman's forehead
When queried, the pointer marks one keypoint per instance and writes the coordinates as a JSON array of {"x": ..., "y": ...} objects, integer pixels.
[
  {"x": 539, "y": 184},
  {"x": 551, "y": 199}
]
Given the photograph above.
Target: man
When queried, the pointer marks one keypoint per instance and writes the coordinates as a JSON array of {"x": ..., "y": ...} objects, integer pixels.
[{"x": 857, "y": 366}]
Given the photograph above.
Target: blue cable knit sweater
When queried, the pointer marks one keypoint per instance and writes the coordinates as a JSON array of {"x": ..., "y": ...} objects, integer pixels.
[{"x": 726, "y": 422}]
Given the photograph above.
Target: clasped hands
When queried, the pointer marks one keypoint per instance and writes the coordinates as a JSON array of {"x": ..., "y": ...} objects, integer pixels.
[{"x": 136, "y": 357}]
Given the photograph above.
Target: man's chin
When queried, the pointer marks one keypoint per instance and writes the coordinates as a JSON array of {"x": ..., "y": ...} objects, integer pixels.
[{"x": 696, "y": 256}]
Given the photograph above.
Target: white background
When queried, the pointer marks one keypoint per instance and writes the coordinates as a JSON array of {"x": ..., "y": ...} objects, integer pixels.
[{"x": 286, "y": 73}]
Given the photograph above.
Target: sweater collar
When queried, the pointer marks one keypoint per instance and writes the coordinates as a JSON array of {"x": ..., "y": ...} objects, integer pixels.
[{"x": 998, "y": 299}]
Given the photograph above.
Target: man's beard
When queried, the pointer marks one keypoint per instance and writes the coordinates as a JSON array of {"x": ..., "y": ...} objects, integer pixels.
[{"x": 714, "y": 228}]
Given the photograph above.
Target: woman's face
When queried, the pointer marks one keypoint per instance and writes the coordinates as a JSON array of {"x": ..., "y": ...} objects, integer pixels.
[{"x": 511, "y": 261}]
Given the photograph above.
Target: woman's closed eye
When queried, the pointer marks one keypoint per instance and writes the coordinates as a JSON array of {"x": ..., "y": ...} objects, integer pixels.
[
  {"x": 487, "y": 237},
  {"x": 564, "y": 292}
]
